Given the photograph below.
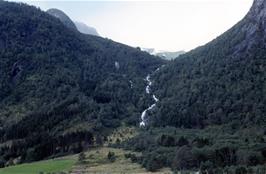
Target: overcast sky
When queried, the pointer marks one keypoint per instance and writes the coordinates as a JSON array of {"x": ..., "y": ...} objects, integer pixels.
[{"x": 164, "y": 25}]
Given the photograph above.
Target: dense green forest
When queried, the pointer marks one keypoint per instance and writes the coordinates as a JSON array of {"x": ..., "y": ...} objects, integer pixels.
[
  {"x": 60, "y": 90},
  {"x": 215, "y": 84},
  {"x": 218, "y": 83},
  {"x": 216, "y": 149},
  {"x": 214, "y": 100}
]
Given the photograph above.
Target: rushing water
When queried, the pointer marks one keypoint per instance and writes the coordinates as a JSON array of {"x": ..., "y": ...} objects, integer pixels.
[{"x": 143, "y": 122}]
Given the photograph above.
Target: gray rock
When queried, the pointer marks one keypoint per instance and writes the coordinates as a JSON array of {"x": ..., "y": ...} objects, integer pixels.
[
  {"x": 62, "y": 17},
  {"x": 85, "y": 29},
  {"x": 253, "y": 27}
]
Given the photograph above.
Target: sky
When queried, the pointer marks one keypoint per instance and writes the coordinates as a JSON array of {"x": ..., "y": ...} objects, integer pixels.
[{"x": 171, "y": 25}]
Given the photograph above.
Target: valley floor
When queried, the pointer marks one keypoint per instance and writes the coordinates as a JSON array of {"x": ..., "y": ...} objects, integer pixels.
[{"x": 96, "y": 162}]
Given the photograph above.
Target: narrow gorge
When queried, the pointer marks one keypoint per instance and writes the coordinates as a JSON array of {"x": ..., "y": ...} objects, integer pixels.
[{"x": 144, "y": 118}]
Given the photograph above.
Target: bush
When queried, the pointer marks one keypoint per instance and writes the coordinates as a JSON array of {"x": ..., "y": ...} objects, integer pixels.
[
  {"x": 153, "y": 162},
  {"x": 184, "y": 159},
  {"x": 205, "y": 167},
  {"x": 241, "y": 170},
  {"x": 132, "y": 157},
  {"x": 2, "y": 162},
  {"x": 201, "y": 142},
  {"x": 261, "y": 170},
  {"x": 182, "y": 141},
  {"x": 111, "y": 156},
  {"x": 249, "y": 158},
  {"x": 166, "y": 140},
  {"x": 81, "y": 157}
]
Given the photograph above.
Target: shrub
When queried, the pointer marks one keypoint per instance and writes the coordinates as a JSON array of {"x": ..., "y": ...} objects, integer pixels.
[
  {"x": 166, "y": 140},
  {"x": 111, "y": 156},
  {"x": 241, "y": 170},
  {"x": 249, "y": 158},
  {"x": 184, "y": 159},
  {"x": 81, "y": 157},
  {"x": 153, "y": 162},
  {"x": 182, "y": 141}
]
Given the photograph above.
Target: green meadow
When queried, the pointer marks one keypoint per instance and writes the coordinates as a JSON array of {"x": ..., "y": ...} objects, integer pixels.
[{"x": 48, "y": 166}]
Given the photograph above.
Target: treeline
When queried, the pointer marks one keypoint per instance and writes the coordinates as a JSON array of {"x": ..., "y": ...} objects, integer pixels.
[
  {"x": 41, "y": 146},
  {"x": 210, "y": 151}
]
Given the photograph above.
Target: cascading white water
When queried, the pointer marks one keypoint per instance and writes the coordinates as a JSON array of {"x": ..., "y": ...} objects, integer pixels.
[
  {"x": 148, "y": 87},
  {"x": 143, "y": 122}
]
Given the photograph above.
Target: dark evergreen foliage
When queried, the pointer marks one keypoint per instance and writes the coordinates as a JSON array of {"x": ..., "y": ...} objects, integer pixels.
[
  {"x": 62, "y": 91},
  {"x": 60, "y": 88},
  {"x": 210, "y": 150},
  {"x": 219, "y": 83}
]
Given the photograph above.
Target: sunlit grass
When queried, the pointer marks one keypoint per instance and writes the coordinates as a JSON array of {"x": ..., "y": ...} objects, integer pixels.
[{"x": 48, "y": 166}]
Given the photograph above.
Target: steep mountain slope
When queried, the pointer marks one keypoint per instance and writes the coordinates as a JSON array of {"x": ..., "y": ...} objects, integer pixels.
[
  {"x": 81, "y": 27},
  {"x": 211, "y": 114},
  {"x": 62, "y": 17},
  {"x": 219, "y": 83},
  {"x": 85, "y": 29},
  {"x": 61, "y": 90}
]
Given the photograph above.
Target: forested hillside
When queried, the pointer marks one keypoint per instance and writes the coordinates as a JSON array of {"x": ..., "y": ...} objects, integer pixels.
[
  {"x": 219, "y": 83},
  {"x": 61, "y": 90},
  {"x": 211, "y": 113}
]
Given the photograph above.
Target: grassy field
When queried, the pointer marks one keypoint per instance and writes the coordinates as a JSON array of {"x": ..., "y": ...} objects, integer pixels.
[
  {"x": 48, "y": 166},
  {"x": 97, "y": 163}
]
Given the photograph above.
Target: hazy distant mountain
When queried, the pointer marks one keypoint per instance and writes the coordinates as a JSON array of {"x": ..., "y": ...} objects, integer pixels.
[
  {"x": 163, "y": 54},
  {"x": 81, "y": 27},
  {"x": 170, "y": 55},
  {"x": 151, "y": 51},
  {"x": 62, "y": 17},
  {"x": 85, "y": 29}
]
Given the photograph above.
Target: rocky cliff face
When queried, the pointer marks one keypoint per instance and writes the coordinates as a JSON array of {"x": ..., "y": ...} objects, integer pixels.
[
  {"x": 256, "y": 17},
  {"x": 258, "y": 10},
  {"x": 85, "y": 29},
  {"x": 62, "y": 17},
  {"x": 253, "y": 29}
]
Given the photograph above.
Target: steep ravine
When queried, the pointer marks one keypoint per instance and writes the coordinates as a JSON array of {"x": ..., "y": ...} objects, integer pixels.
[{"x": 144, "y": 118}]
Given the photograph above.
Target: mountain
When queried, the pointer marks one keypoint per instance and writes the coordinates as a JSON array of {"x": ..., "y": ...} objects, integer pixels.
[
  {"x": 60, "y": 90},
  {"x": 220, "y": 82},
  {"x": 167, "y": 55},
  {"x": 151, "y": 51},
  {"x": 170, "y": 55},
  {"x": 62, "y": 17},
  {"x": 85, "y": 29},
  {"x": 81, "y": 27},
  {"x": 211, "y": 114}
]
